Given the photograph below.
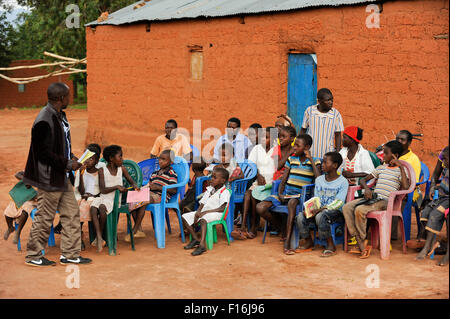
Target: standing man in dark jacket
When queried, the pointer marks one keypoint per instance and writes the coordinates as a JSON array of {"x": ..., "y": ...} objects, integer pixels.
[{"x": 49, "y": 168}]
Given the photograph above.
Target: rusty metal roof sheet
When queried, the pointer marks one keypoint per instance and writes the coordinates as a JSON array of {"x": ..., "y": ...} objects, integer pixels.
[{"x": 160, "y": 10}]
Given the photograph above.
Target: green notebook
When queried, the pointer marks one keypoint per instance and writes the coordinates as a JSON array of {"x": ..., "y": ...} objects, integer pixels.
[{"x": 20, "y": 194}]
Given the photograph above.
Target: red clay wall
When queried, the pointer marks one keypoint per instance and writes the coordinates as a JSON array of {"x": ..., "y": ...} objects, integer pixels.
[
  {"x": 35, "y": 92},
  {"x": 383, "y": 80}
]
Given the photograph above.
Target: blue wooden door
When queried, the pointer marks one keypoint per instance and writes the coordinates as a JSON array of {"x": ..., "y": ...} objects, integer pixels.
[{"x": 302, "y": 86}]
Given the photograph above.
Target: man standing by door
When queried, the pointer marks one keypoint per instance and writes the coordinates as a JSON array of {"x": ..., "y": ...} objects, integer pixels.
[
  {"x": 324, "y": 124},
  {"x": 49, "y": 168}
]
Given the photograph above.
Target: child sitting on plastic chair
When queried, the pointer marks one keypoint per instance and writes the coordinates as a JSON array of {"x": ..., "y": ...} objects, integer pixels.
[
  {"x": 433, "y": 215},
  {"x": 211, "y": 209},
  {"x": 331, "y": 190},
  {"x": 228, "y": 162},
  {"x": 301, "y": 169},
  {"x": 163, "y": 177},
  {"x": 20, "y": 215},
  {"x": 110, "y": 180},
  {"x": 391, "y": 177},
  {"x": 188, "y": 202},
  {"x": 86, "y": 186}
]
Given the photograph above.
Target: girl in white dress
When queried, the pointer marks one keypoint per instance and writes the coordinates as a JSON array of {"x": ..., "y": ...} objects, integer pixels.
[
  {"x": 87, "y": 187},
  {"x": 110, "y": 180}
]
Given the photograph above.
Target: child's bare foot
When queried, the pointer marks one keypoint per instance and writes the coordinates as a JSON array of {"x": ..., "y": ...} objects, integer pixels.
[
  {"x": 99, "y": 246},
  {"x": 444, "y": 260},
  {"x": 8, "y": 232}
]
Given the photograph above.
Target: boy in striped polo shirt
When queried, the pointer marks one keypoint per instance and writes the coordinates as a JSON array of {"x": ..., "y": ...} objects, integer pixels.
[
  {"x": 391, "y": 177},
  {"x": 301, "y": 169},
  {"x": 163, "y": 177}
]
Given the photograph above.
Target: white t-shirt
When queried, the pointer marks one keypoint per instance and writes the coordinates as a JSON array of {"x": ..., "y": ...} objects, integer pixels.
[
  {"x": 264, "y": 162},
  {"x": 214, "y": 198}
]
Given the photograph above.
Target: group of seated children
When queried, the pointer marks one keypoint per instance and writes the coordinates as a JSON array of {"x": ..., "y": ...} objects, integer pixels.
[{"x": 285, "y": 159}]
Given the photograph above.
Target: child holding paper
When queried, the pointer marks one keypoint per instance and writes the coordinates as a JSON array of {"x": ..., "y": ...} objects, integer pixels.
[
  {"x": 163, "y": 177},
  {"x": 331, "y": 190},
  {"x": 109, "y": 180},
  {"x": 19, "y": 214},
  {"x": 87, "y": 187}
]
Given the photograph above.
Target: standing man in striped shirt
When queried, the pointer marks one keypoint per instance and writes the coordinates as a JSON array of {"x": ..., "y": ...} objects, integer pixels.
[{"x": 324, "y": 124}]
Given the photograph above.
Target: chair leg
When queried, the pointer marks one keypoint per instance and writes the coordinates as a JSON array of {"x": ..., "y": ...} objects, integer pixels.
[
  {"x": 19, "y": 246},
  {"x": 295, "y": 236},
  {"x": 110, "y": 234},
  {"x": 168, "y": 221},
  {"x": 130, "y": 230},
  {"x": 160, "y": 229},
  {"x": 225, "y": 230},
  {"x": 385, "y": 236},
  {"x": 209, "y": 237},
  {"x": 265, "y": 232},
  {"x": 183, "y": 239},
  {"x": 214, "y": 228},
  {"x": 402, "y": 228},
  {"x": 51, "y": 238}
]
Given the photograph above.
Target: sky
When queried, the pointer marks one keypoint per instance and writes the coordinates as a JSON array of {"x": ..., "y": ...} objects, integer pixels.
[{"x": 16, "y": 9}]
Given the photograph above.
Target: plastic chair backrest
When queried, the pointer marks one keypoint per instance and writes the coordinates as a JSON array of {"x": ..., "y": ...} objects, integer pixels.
[
  {"x": 424, "y": 173},
  {"x": 148, "y": 166},
  {"x": 181, "y": 167},
  {"x": 135, "y": 173},
  {"x": 225, "y": 212},
  {"x": 195, "y": 151},
  {"x": 248, "y": 168},
  {"x": 375, "y": 160},
  {"x": 396, "y": 198}
]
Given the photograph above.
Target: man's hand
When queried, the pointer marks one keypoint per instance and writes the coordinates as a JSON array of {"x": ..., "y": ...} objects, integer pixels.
[
  {"x": 76, "y": 165},
  {"x": 308, "y": 155},
  {"x": 368, "y": 194}
]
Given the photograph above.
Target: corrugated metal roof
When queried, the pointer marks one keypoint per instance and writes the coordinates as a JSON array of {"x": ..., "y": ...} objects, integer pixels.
[{"x": 159, "y": 10}]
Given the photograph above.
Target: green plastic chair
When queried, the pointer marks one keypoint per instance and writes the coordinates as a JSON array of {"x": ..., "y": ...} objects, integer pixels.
[
  {"x": 211, "y": 231},
  {"x": 375, "y": 160},
  {"x": 113, "y": 218}
]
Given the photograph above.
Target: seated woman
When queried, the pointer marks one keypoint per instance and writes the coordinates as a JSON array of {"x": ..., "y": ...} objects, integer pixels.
[{"x": 356, "y": 159}]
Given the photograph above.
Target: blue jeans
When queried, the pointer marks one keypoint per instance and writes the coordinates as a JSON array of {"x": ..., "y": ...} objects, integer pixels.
[{"x": 323, "y": 220}]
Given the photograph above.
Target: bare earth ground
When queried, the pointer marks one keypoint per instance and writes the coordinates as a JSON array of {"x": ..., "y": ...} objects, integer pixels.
[{"x": 245, "y": 269}]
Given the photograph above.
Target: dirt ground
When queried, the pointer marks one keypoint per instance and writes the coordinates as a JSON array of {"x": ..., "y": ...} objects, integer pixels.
[{"x": 245, "y": 269}]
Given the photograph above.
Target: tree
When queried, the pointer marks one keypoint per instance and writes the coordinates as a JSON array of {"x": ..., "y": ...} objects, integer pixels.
[
  {"x": 6, "y": 36},
  {"x": 44, "y": 29}
]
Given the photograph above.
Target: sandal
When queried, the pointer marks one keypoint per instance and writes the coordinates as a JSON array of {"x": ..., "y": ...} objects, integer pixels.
[
  {"x": 355, "y": 250},
  {"x": 238, "y": 234},
  {"x": 289, "y": 251},
  {"x": 303, "y": 250},
  {"x": 328, "y": 253},
  {"x": 366, "y": 252}
]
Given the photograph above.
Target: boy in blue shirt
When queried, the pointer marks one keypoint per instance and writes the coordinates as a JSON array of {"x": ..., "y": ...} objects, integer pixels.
[
  {"x": 301, "y": 169},
  {"x": 331, "y": 189}
]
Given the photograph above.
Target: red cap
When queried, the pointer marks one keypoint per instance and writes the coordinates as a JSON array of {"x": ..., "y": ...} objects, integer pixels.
[{"x": 352, "y": 131}]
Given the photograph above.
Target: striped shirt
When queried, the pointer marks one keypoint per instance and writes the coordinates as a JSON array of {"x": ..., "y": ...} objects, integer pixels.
[
  {"x": 388, "y": 180},
  {"x": 300, "y": 174},
  {"x": 163, "y": 178},
  {"x": 321, "y": 127}
]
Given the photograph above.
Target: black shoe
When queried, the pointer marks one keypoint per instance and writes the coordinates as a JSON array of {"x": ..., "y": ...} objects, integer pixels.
[
  {"x": 198, "y": 251},
  {"x": 77, "y": 261},
  {"x": 41, "y": 262},
  {"x": 193, "y": 243}
]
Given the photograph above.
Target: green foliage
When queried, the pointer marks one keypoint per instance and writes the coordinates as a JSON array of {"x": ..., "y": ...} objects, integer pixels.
[{"x": 44, "y": 29}]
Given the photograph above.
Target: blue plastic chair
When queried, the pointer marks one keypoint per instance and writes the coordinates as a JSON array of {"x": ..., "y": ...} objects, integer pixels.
[
  {"x": 51, "y": 238},
  {"x": 195, "y": 152},
  {"x": 159, "y": 211},
  {"x": 199, "y": 182},
  {"x": 336, "y": 239},
  {"x": 148, "y": 166},
  {"x": 307, "y": 192},
  {"x": 238, "y": 189},
  {"x": 407, "y": 210}
]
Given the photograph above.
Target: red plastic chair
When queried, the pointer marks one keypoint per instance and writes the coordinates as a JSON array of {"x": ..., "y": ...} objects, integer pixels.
[{"x": 381, "y": 230}]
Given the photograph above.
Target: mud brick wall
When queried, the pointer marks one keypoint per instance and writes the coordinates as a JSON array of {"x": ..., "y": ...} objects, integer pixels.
[
  {"x": 383, "y": 80},
  {"x": 35, "y": 93}
]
